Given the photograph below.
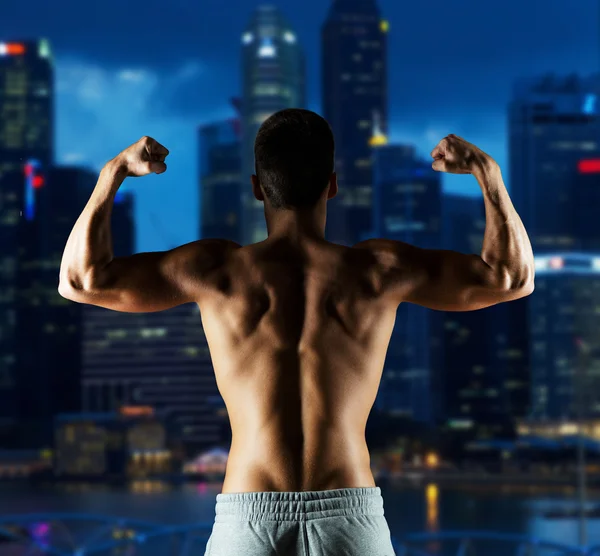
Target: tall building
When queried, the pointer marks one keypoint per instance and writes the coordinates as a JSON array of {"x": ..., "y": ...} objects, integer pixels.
[
  {"x": 26, "y": 103},
  {"x": 475, "y": 392},
  {"x": 12, "y": 193},
  {"x": 26, "y": 133},
  {"x": 565, "y": 336},
  {"x": 354, "y": 89},
  {"x": 407, "y": 207},
  {"x": 586, "y": 199},
  {"x": 221, "y": 180},
  {"x": 553, "y": 125},
  {"x": 159, "y": 360},
  {"x": 273, "y": 77},
  {"x": 129, "y": 444},
  {"x": 123, "y": 224},
  {"x": 48, "y": 327},
  {"x": 553, "y": 128}
]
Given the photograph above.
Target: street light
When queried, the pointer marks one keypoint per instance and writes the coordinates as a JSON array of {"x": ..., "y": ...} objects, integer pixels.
[{"x": 432, "y": 460}]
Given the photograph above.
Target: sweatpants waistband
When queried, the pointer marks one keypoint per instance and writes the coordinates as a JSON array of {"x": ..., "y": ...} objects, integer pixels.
[{"x": 298, "y": 506}]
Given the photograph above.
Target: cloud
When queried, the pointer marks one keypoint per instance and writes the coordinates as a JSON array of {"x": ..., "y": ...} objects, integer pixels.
[{"x": 101, "y": 111}]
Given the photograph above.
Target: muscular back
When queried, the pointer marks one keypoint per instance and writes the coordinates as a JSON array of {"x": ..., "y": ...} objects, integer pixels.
[{"x": 298, "y": 338}]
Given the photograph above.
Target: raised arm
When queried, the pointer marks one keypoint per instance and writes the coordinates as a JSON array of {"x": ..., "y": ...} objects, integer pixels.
[
  {"x": 452, "y": 281},
  {"x": 145, "y": 282}
]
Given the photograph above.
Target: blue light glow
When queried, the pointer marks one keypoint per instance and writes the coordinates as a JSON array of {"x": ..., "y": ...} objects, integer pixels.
[
  {"x": 589, "y": 104},
  {"x": 31, "y": 167},
  {"x": 267, "y": 49}
]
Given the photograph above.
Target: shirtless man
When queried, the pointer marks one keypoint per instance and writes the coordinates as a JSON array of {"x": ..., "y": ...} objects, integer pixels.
[{"x": 298, "y": 329}]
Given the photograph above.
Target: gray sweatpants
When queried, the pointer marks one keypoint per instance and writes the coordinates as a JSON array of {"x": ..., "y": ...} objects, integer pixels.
[{"x": 338, "y": 522}]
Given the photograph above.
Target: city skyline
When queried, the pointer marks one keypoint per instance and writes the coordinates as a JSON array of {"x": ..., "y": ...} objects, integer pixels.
[
  {"x": 109, "y": 92},
  {"x": 545, "y": 115}
]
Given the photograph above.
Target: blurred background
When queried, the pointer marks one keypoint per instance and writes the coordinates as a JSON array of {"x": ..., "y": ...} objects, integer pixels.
[{"x": 486, "y": 423}]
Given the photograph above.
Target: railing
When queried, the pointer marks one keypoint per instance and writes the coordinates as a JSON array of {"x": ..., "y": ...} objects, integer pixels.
[{"x": 69, "y": 534}]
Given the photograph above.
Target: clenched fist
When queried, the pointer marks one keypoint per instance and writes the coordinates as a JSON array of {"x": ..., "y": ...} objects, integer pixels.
[
  {"x": 142, "y": 158},
  {"x": 456, "y": 156}
]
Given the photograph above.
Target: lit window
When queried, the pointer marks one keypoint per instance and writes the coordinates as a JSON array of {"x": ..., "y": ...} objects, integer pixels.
[
  {"x": 362, "y": 162},
  {"x": 260, "y": 117},
  {"x": 267, "y": 89},
  {"x": 289, "y": 37},
  {"x": 247, "y": 38},
  {"x": 384, "y": 25},
  {"x": 44, "y": 49},
  {"x": 267, "y": 50}
]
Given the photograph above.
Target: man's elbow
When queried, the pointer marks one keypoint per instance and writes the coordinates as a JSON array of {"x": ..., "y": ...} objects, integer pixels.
[
  {"x": 521, "y": 282},
  {"x": 525, "y": 282},
  {"x": 72, "y": 288},
  {"x": 69, "y": 291},
  {"x": 522, "y": 288},
  {"x": 77, "y": 285}
]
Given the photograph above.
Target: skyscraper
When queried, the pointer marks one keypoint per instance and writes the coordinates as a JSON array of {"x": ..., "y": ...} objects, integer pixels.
[
  {"x": 48, "y": 327},
  {"x": 158, "y": 359},
  {"x": 553, "y": 127},
  {"x": 407, "y": 207},
  {"x": 565, "y": 336},
  {"x": 273, "y": 77},
  {"x": 220, "y": 180},
  {"x": 586, "y": 200},
  {"x": 26, "y": 103},
  {"x": 475, "y": 394},
  {"x": 12, "y": 194},
  {"x": 123, "y": 224},
  {"x": 26, "y": 135},
  {"x": 354, "y": 88},
  {"x": 553, "y": 124}
]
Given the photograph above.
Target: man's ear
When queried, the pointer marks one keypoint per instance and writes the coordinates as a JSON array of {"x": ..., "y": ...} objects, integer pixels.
[
  {"x": 333, "y": 186},
  {"x": 258, "y": 194}
]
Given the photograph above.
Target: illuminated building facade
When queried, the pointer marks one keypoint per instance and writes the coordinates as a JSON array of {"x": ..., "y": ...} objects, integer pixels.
[
  {"x": 131, "y": 443},
  {"x": 554, "y": 124},
  {"x": 407, "y": 206},
  {"x": 47, "y": 327},
  {"x": 158, "y": 359},
  {"x": 554, "y": 133},
  {"x": 26, "y": 103},
  {"x": 473, "y": 391},
  {"x": 565, "y": 336},
  {"x": 26, "y": 135},
  {"x": 123, "y": 224},
  {"x": 354, "y": 89},
  {"x": 220, "y": 180},
  {"x": 273, "y": 78},
  {"x": 12, "y": 186}
]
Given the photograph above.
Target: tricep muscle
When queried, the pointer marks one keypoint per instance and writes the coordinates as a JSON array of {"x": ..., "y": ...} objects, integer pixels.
[{"x": 439, "y": 279}]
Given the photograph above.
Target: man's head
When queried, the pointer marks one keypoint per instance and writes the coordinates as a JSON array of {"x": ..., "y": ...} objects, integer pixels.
[{"x": 294, "y": 151}]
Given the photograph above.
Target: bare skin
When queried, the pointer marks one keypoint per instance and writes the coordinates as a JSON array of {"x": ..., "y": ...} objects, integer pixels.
[{"x": 298, "y": 327}]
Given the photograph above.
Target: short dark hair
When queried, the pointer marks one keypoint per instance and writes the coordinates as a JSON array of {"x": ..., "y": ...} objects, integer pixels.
[{"x": 294, "y": 154}]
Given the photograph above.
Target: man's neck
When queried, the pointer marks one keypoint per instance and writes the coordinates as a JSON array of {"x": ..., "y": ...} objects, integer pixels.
[{"x": 296, "y": 225}]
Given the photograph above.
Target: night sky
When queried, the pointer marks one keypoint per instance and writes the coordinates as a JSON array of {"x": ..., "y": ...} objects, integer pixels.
[{"x": 127, "y": 68}]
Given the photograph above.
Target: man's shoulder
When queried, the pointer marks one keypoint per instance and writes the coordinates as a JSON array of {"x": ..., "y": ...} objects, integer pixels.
[
  {"x": 389, "y": 253},
  {"x": 205, "y": 255},
  {"x": 378, "y": 246},
  {"x": 217, "y": 245}
]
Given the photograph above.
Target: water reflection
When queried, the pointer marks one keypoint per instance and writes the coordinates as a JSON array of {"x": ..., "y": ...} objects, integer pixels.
[{"x": 432, "y": 500}]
